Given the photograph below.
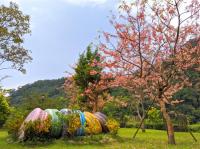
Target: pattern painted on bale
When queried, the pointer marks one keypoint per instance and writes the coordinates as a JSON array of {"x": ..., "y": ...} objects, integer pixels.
[
  {"x": 93, "y": 125},
  {"x": 66, "y": 111},
  {"x": 102, "y": 119},
  {"x": 81, "y": 131},
  {"x": 64, "y": 125},
  {"x": 56, "y": 124},
  {"x": 36, "y": 114}
]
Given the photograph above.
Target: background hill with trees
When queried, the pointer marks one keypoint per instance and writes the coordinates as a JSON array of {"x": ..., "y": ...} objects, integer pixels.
[{"x": 47, "y": 88}]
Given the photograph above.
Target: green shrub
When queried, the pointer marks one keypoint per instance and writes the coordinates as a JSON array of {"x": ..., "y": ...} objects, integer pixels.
[
  {"x": 154, "y": 120},
  {"x": 158, "y": 126},
  {"x": 195, "y": 127},
  {"x": 14, "y": 122},
  {"x": 113, "y": 126},
  {"x": 4, "y": 109},
  {"x": 154, "y": 116},
  {"x": 132, "y": 123},
  {"x": 38, "y": 130}
]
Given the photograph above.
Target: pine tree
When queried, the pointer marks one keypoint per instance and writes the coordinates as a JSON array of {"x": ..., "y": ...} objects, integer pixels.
[{"x": 83, "y": 73}]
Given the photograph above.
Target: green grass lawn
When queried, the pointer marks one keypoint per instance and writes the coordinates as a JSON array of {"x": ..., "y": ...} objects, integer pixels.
[{"x": 151, "y": 139}]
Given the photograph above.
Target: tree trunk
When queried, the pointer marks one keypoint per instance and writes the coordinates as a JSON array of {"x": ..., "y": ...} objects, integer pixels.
[
  {"x": 170, "y": 127},
  {"x": 143, "y": 127},
  {"x": 95, "y": 106},
  {"x": 141, "y": 115}
]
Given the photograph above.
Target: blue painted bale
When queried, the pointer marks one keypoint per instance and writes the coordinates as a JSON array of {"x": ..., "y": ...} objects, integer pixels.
[{"x": 81, "y": 130}]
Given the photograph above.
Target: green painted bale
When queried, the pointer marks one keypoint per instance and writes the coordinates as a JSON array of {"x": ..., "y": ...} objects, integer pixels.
[{"x": 56, "y": 123}]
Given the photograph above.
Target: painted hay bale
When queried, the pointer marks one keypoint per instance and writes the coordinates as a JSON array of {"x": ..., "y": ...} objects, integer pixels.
[
  {"x": 36, "y": 114},
  {"x": 102, "y": 119},
  {"x": 64, "y": 125},
  {"x": 80, "y": 131},
  {"x": 66, "y": 111},
  {"x": 76, "y": 123},
  {"x": 93, "y": 125},
  {"x": 56, "y": 124}
]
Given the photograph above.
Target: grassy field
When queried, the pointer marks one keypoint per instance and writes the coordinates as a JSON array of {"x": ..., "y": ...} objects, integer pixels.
[{"x": 152, "y": 139}]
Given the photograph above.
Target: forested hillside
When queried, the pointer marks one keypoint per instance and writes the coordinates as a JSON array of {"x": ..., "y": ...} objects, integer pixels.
[{"x": 47, "y": 88}]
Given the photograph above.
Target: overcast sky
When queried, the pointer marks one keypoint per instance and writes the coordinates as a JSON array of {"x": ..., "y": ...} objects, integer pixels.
[{"x": 61, "y": 30}]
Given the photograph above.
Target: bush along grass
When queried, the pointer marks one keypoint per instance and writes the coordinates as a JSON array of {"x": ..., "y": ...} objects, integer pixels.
[
  {"x": 13, "y": 123},
  {"x": 195, "y": 127},
  {"x": 113, "y": 126},
  {"x": 38, "y": 131}
]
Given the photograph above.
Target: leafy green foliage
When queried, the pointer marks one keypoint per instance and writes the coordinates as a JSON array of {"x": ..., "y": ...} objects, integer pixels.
[
  {"x": 83, "y": 77},
  {"x": 154, "y": 119},
  {"x": 4, "y": 109},
  {"x": 14, "y": 122},
  {"x": 117, "y": 107},
  {"x": 74, "y": 123},
  {"x": 113, "y": 126},
  {"x": 38, "y": 130},
  {"x": 191, "y": 96},
  {"x": 13, "y": 26},
  {"x": 195, "y": 127},
  {"x": 117, "y": 111},
  {"x": 154, "y": 116},
  {"x": 43, "y": 102}
]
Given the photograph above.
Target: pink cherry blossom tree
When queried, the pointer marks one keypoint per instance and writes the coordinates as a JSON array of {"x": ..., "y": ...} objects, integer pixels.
[{"x": 150, "y": 49}]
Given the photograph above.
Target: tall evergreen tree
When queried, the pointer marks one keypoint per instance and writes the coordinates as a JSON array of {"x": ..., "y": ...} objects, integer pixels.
[{"x": 84, "y": 75}]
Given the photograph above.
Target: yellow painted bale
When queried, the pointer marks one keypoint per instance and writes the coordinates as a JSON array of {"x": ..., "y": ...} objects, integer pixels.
[{"x": 93, "y": 126}]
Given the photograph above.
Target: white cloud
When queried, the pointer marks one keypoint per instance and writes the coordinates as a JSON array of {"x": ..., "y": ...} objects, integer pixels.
[{"x": 86, "y": 2}]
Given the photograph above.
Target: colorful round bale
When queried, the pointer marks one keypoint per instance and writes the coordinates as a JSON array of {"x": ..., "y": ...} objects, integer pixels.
[
  {"x": 56, "y": 124},
  {"x": 36, "y": 114},
  {"x": 80, "y": 131},
  {"x": 93, "y": 125},
  {"x": 66, "y": 111},
  {"x": 64, "y": 125},
  {"x": 102, "y": 119}
]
